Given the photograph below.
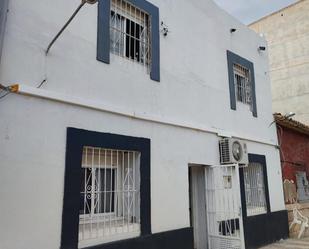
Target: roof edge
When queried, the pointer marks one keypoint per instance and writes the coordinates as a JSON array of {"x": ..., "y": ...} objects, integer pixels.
[
  {"x": 291, "y": 124},
  {"x": 275, "y": 12}
]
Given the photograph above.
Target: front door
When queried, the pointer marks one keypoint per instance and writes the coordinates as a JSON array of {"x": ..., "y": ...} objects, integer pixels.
[{"x": 223, "y": 207}]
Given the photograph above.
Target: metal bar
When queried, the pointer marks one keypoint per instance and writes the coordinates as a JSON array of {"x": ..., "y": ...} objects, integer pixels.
[
  {"x": 93, "y": 174},
  {"x": 119, "y": 180},
  {"x": 85, "y": 193},
  {"x": 130, "y": 25},
  {"x": 134, "y": 39},
  {"x": 65, "y": 26}
]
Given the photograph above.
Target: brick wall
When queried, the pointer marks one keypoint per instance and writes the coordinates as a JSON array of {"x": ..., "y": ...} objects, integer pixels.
[{"x": 294, "y": 152}]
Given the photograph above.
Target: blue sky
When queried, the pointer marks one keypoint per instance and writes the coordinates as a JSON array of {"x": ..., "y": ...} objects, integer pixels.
[{"x": 248, "y": 11}]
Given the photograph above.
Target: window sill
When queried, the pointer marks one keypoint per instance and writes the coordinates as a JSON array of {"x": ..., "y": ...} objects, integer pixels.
[
  {"x": 92, "y": 234},
  {"x": 244, "y": 107},
  {"x": 256, "y": 211}
]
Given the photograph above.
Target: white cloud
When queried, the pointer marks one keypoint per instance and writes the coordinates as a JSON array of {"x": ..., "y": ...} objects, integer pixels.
[{"x": 248, "y": 11}]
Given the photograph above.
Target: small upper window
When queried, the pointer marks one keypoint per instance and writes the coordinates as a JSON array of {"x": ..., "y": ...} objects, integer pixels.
[
  {"x": 255, "y": 189},
  {"x": 243, "y": 85},
  {"x": 129, "y": 28},
  {"x": 109, "y": 196}
]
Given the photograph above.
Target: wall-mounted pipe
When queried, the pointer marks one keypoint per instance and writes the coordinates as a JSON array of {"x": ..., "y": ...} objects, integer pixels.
[{"x": 68, "y": 22}]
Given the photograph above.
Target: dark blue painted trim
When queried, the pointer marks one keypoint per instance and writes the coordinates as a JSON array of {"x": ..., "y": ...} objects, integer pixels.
[
  {"x": 103, "y": 37},
  {"x": 155, "y": 48},
  {"x": 266, "y": 228},
  {"x": 254, "y": 107},
  {"x": 103, "y": 43},
  {"x": 174, "y": 239},
  {"x": 231, "y": 80},
  {"x": 76, "y": 140},
  {"x": 236, "y": 59},
  {"x": 3, "y": 14},
  {"x": 254, "y": 158}
]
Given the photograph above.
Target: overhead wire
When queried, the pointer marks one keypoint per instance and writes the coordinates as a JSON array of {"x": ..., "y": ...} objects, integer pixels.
[
  {"x": 4, "y": 89},
  {"x": 83, "y": 2}
]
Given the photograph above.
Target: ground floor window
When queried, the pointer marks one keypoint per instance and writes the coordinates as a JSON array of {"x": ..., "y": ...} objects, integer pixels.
[
  {"x": 255, "y": 189},
  {"x": 109, "y": 195},
  {"x": 106, "y": 189}
]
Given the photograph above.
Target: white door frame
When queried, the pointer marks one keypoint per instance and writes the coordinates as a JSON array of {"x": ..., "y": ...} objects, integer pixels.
[{"x": 198, "y": 206}]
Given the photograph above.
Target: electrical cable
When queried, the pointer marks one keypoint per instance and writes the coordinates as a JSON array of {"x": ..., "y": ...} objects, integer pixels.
[
  {"x": 83, "y": 2},
  {"x": 5, "y": 95},
  {"x": 4, "y": 89},
  {"x": 65, "y": 26},
  {"x": 41, "y": 84}
]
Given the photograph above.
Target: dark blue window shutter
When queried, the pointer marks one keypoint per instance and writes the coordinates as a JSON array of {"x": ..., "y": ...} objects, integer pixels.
[
  {"x": 103, "y": 40},
  {"x": 3, "y": 13},
  {"x": 155, "y": 48},
  {"x": 236, "y": 59},
  {"x": 254, "y": 108},
  {"x": 231, "y": 80},
  {"x": 103, "y": 36}
]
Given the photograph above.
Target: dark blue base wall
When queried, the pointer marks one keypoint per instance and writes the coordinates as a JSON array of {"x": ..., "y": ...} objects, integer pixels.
[
  {"x": 259, "y": 230},
  {"x": 264, "y": 229},
  {"x": 176, "y": 239}
]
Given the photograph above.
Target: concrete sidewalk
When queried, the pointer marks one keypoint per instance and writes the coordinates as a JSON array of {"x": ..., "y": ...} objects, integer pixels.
[{"x": 289, "y": 244}]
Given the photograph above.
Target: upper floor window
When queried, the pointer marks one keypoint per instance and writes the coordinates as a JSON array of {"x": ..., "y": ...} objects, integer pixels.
[
  {"x": 130, "y": 29},
  {"x": 241, "y": 82},
  {"x": 129, "y": 33}
]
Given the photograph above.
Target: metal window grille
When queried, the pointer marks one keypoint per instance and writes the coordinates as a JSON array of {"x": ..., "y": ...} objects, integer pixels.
[
  {"x": 109, "y": 196},
  {"x": 243, "y": 84},
  {"x": 130, "y": 29},
  {"x": 255, "y": 189},
  {"x": 223, "y": 204}
]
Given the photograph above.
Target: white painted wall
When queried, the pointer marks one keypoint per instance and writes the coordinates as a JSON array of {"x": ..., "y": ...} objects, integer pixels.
[
  {"x": 194, "y": 84},
  {"x": 193, "y": 89}
]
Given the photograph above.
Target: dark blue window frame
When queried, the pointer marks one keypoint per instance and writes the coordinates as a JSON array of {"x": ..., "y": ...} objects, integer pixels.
[
  {"x": 236, "y": 59},
  {"x": 263, "y": 229},
  {"x": 103, "y": 40},
  {"x": 76, "y": 140}
]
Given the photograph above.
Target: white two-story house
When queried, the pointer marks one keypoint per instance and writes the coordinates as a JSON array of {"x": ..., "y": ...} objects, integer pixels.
[{"x": 145, "y": 125}]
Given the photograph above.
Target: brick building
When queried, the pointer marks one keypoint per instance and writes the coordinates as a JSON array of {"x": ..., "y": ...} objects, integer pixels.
[{"x": 293, "y": 138}]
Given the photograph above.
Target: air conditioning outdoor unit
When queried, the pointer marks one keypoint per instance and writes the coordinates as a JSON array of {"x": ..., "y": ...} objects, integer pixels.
[{"x": 233, "y": 151}]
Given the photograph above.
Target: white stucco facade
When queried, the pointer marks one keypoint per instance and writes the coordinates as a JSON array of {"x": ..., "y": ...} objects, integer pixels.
[{"x": 182, "y": 114}]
